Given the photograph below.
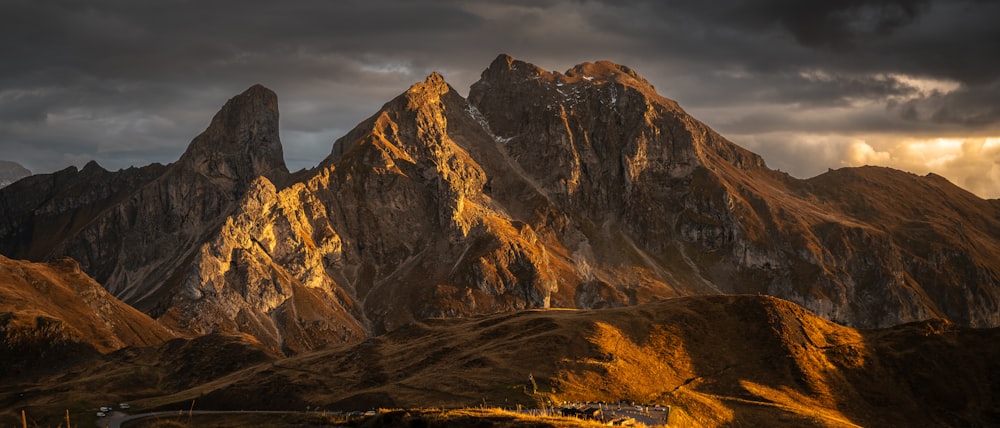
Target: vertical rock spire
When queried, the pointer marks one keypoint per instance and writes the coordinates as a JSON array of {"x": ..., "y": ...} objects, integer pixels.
[{"x": 242, "y": 141}]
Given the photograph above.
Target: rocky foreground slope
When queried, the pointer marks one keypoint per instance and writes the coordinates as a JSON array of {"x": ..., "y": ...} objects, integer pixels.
[{"x": 583, "y": 189}]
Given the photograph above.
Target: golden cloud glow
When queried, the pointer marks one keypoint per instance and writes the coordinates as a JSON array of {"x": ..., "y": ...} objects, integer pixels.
[
  {"x": 925, "y": 86},
  {"x": 973, "y": 163}
]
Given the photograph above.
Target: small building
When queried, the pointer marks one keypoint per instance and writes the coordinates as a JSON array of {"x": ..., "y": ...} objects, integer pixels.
[{"x": 591, "y": 413}]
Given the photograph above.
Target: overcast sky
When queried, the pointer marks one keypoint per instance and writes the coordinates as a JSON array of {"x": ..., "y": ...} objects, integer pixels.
[{"x": 809, "y": 85}]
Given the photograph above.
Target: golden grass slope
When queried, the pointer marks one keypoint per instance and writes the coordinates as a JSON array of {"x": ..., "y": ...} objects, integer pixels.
[
  {"x": 736, "y": 360},
  {"x": 718, "y": 360},
  {"x": 42, "y": 304}
]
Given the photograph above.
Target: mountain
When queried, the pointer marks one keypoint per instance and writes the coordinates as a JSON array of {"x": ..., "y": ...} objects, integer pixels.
[
  {"x": 627, "y": 166},
  {"x": 136, "y": 230},
  {"x": 583, "y": 189},
  {"x": 716, "y": 360},
  {"x": 53, "y": 313},
  {"x": 11, "y": 172}
]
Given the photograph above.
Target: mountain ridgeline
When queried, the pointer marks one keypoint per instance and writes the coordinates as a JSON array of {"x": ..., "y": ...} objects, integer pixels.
[{"x": 583, "y": 189}]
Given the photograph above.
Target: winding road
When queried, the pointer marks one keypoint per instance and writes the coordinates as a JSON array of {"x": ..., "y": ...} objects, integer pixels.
[{"x": 116, "y": 419}]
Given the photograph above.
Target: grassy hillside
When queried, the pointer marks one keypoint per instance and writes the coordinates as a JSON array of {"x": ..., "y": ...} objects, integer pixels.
[{"x": 718, "y": 361}]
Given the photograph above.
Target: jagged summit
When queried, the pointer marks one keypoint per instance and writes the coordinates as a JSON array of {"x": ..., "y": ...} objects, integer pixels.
[
  {"x": 381, "y": 128},
  {"x": 428, "y": 91},
  {"x": 242, "y": 141},
  {"x": 505, "y": 65},
  {"x": 507, "y": 68},
  {"x": 433, "y": 80},
  {"x": 607, "y": 70}
]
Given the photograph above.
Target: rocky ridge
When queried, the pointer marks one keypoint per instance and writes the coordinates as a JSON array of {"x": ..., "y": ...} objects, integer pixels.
[{"x": 582, "y": 189}]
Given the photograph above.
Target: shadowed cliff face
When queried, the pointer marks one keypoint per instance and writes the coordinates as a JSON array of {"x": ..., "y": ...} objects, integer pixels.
[
  {"x": 242, "y": 142},
  {"x": 542, "y": 189}
]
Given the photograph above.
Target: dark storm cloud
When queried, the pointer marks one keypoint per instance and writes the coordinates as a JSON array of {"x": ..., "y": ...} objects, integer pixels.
[
  {"x": 964, "y": 107},
  {"x": 948, "y": 39},
  {"x": 132, "y": 39},
  {"x": 837, "y": 25},
  {"x": 174, "y": 62},
  {"x": 131, "y": 82},
  {"x": 768, "y": 43}
]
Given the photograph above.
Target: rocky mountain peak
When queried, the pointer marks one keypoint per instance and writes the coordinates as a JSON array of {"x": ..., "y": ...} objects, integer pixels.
[
  {"x": 428, "y": 91},
  {"x": 434, "y": 83},
  {"x": 600, "y": 126},
  {"x": 608, "y": 71},
  {"x": 242, "y": 141},
  {"x": 425, "y": 100},
  {"x": 505, "y": 67}
]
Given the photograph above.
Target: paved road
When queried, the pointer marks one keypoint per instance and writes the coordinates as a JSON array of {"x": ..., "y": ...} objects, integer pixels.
[
  {"x": 116, "y": 419},
  {"x": 654, "y": 417}
]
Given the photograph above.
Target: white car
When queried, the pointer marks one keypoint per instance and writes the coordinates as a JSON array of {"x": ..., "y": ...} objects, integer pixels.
[
  {"x": 101, "y": 414},
  {"x": 124, "y": 406},
  {"x": 105, "y": 409}
]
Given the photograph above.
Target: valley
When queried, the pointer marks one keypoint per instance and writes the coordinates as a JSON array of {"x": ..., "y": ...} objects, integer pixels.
[{"x": 716, "y": 360}]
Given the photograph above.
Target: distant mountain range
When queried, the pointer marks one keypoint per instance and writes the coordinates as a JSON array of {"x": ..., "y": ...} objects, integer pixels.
[
  {"x": 11, "y": 172},
  {"x": 583, "y": 189}
]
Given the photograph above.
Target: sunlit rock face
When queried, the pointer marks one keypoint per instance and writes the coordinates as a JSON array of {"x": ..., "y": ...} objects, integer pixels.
[{"x": 582, "y": 189}]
